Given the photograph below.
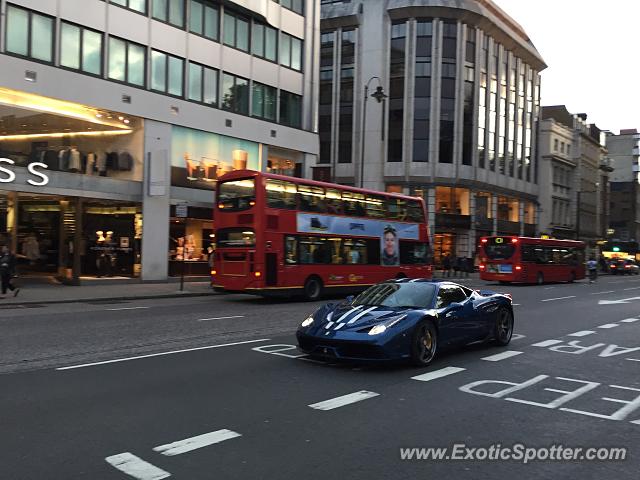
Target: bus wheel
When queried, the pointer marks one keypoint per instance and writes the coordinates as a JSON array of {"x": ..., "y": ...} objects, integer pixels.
[
  {"x": 540, "y": 278},
  {"x": 312, "y": 288}
]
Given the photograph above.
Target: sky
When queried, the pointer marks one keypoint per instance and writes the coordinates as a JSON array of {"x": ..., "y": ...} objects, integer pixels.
[{"x": 592, "y": 51}]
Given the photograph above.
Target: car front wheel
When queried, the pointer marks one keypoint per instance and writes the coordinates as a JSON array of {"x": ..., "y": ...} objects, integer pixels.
[
  {"x": 504, "y": 327},
  {"x": 424, "y": 344}
]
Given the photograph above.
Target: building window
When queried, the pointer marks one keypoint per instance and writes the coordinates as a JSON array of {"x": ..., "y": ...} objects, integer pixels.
[
  {"x": 396, "y": 92},
  {"x": 236, "y": 31},
  {"x": 469, "y": 90},
  {"x": 290, "y": 109},
  {"x": 29, "y": 34},
  {"x": 127, "y": 62},
  {"x": 555, "y": 145},
  {"x": 295, "y": 5},
  {"x": 80, "y": 49},
  {"x": 422, "y": 96},
  {"x": 450, "y": 200},
  {"x": 169, "y": 11},
  {"x": 345, "y": 125},
  {"x": 204, "y": 19},
  {"x": 135, "y": 5},
  {"x": 484, "y": 205},
  {"x": 263, "y": 101},
  {"x": 167, "y": 73},
  {"x": 235, "y": 94},
  {"x": 448, "y": 92},
  {"x": 264, "y": 42},
  {"x": 203, "y": 84},
  {"x": 290, "y": 51}
]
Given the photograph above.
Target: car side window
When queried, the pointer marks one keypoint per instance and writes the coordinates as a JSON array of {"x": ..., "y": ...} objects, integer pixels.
[{"x": 448, "y": 295}]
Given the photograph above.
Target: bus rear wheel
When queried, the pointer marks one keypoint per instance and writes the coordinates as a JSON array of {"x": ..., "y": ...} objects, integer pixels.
[{"x": 312, "y": 289}]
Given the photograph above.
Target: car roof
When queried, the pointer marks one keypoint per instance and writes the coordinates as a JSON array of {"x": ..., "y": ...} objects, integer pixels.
[{"x": 433, "y": 281}]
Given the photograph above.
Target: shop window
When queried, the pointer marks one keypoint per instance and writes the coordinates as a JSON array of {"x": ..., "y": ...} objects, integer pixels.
[
  {"x": 127, "y": 62},
  {"x": 484, "y": 205},
  {"x": 236, "y": 31},
  {"x": 167, "y": 73},
  {"x": 203, "y": 84},
  {"x": 80, "y": 49},
  {"x": 529, "y": 212},
  {"x": 205, "y": 19},
  {"x": 508, "y": 209},
  {"x": 295, "y": 5},
  {"x": 169, "y": 11},
  {"x": 290, "y": 109},
  {"x": 452, "y": 200},
  {"x": 29, "y": 34},
  {"x": 135, "y": 5},
  {"x": 264, "y": 41},
  {"x": 263, "y": 103},
  {"x": 290, "y": 51},
  {"x": 235, "y": 94},
  {"x": 281, "y": 194}
]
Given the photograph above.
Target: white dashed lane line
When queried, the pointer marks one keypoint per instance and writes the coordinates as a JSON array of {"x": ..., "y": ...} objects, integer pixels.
[
  {"x": 136, "y": 467},
  {"x": 193, "y": 443},
  {"x": 602, "y": 293},
  {"x": 609, "y": 325},
  {"x": 582, "y": 333},
  {"x": 546, "y": 343},
  {"x": 630, "y": 320},
  {"x": 125, "y": 308},
  {"x": 558, "y": 298},
  {"x": 219, "y": 318},
  {"x": 443, "y": 372},
  {"x": 343, "y": 400},
  {"x": 631, "y": 288},
  {"x": 501, "y": 356}
]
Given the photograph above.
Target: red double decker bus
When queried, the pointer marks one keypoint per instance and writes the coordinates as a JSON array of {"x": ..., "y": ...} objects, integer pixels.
[
  {"x": 278, "y": 235},
  {"x": 531, "y": 260}
]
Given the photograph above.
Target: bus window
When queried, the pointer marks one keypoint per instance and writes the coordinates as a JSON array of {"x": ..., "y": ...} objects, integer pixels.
[
  {"x": 353, "y": 204},
  {"x": 237, "y": 194},
  {"x": 291, "y": 250},
  {"x": 415, "y": 212},
  {"x": 376, "y": 206},
  {"x": 235, "y": 237},
  {"x": 334, "y": 201},
  {"x": 311, "y": 199},
  {"x": 281, "y": 194},
  {"x": 414, "y": 253},
  {"x": 397, "y": 209},
  {"x": 354, "y": 252}
]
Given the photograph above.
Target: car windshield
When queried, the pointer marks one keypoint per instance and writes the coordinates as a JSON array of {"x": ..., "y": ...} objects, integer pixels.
[{"x": 408, "y": 295}]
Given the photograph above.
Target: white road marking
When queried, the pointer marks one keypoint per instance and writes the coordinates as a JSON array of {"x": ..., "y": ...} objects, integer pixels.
[
  {"x": 631, "y": 288},
  {"x": 548, "y": 288},
  {"x": 602, "y": 293},
  {"x": 558, "y": 298},
  {"x": 517, "y": 336},
  {"x": 125, "y": 308},
  {"x": 501, "y": 356},
  {"x": 344, "y": 400},
  {"x": 634, "y": 359},
  {"x": 630, "y": 320},
  {"x": 636, "y": 422},
  {"x": 516, "y": 304},
  {"x": 547, "y": 343},
  {"x": 443, "y": 372},
  {"x": 609, "y": 325},
  {"x": 161, "y": 354},
  {"x": 136, "y": 467},
  {"x": 193, "y": 443},
  {"x": 219, "y": 318},
  {"x": 582, "y": 333}
]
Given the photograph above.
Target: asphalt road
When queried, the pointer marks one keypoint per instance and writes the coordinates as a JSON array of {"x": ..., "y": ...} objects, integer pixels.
[{"x": 219, "y": 392}]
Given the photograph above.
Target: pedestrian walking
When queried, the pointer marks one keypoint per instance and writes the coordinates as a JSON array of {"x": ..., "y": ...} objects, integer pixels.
[
  {"x": 466, "y": 266},
  {"x": 592, "y": 267},
  {"x": 446, "y": 266},
  {"x": 456, "y": 266},
  {"x": 7, "y": 271}
]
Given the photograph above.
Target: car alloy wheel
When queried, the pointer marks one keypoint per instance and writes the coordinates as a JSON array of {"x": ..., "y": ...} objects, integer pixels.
[
  {"x": 425, "y": 344},
  {"x": 504, "y": 327}
]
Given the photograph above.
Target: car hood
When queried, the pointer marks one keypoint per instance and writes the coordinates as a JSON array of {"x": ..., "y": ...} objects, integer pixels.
[{"x": 347, "y": 317}]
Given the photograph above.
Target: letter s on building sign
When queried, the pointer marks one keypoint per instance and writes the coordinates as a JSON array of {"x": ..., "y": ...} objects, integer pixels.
[
  {"x": 44, "y": 179},
  {"x": 10, "y": 176}
]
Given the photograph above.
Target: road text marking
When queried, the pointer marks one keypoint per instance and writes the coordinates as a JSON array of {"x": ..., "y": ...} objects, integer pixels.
[
  {"x": 162, "y": 353},
  {"x": 193, "y": 443},
  {"x": 546, "y": 343},
  {"x": 582, "y": 333},
  {"x": 443, "y": 372},
  {"x": 219, "y": 318},
  {"x": 344, "y": 400},
  {"x": 609, "y": 325},
  {"x": 501, "y": 356},
  {"x": 559, "y": 298},
  {"x": 136, "y": 467}
]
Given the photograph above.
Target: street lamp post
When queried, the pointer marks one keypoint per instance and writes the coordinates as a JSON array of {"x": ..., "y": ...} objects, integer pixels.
[{"x": 379, "y": 95}]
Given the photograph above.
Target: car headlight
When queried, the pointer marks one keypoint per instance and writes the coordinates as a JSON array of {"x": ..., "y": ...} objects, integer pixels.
[
  {"x": 307, "y": 321},
  {"x": 382, "y": 327}
]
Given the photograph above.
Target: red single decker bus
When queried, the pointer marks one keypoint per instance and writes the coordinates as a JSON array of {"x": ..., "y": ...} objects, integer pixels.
[
  {"x": 531, "y": 260},
  {"x": 278, "y": 235}
]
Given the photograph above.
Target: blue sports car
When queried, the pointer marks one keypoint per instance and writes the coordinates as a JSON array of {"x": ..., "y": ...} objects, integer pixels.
[{"x": 409, "y": 319}]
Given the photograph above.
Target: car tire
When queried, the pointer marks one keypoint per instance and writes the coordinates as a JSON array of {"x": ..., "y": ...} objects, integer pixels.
[
  {"x": 503, "y": 330},
  {"x": 540, "y": 278},
  {"x": 424, "y": 343},
  {"x": 312, "y": 289}
]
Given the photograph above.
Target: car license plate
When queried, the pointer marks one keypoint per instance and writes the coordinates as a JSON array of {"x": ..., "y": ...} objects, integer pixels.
[{"x": 506, "y": 269}]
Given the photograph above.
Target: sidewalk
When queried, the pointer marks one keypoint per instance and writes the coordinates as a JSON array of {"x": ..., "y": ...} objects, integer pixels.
[{"x": 55, "y": 293}]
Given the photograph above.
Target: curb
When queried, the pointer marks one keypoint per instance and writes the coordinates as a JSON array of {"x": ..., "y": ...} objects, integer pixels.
[{"x": 105, "y": 299}]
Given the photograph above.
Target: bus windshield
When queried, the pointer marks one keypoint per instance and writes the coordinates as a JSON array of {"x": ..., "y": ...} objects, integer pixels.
[
  {"x": 499, "y": 252},
  {"x": 237, "y": 194}
]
